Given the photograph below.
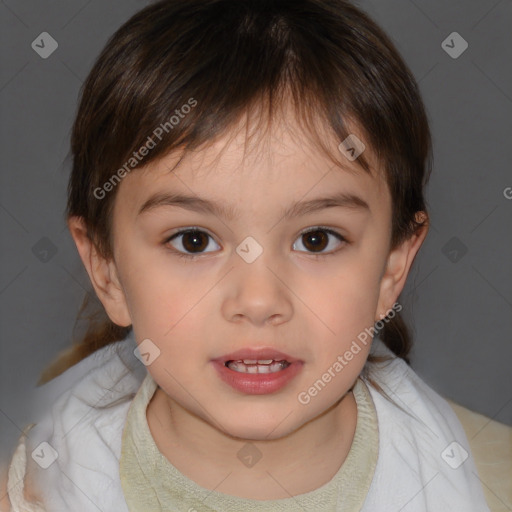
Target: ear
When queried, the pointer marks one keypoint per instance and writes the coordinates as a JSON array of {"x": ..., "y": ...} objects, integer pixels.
[
  {"x": 397, "y": 268},
  {"x": 102, "y": 273}
]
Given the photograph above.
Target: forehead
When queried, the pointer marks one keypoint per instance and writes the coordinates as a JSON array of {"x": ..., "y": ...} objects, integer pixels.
[{"x": 241, "y": 169}]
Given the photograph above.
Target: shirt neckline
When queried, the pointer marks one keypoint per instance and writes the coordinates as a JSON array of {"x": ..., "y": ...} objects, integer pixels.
[{"x": 150, "y": 481}]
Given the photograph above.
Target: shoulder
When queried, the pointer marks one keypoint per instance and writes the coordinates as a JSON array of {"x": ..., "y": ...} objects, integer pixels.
[
  {"x": 422, "y": 444},
  {"x": 414, "y": 411},
  {"x": 80, "y": 416},
  {"x": 94, "y": 386},
  {"x": 91, "y": 396},
  {"x": 491, "y": 445},
  {"x": 101, "y": 369},
  {"x": 17, "y": 485}
]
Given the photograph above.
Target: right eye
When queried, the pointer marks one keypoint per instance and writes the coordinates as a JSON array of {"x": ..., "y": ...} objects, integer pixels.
[{"x": 193, "y": 241}]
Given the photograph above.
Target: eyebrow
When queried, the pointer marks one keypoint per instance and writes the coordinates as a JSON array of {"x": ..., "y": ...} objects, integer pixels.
[{"x": 198, "y": 204}]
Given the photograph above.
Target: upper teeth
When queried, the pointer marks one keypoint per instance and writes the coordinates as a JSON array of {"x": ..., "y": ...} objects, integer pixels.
[{"x": 257, "y": 365}]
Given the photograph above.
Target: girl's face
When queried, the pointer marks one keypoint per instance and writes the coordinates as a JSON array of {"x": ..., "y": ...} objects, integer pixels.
[{"x": 251, "y": 278}]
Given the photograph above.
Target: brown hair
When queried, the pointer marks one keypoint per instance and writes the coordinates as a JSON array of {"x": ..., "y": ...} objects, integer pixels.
[{"x": 325, "y": 56}]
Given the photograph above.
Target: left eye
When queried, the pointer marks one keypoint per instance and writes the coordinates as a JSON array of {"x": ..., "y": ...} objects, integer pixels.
[
  {"x": 195, "y": 241},
  {"x": 316, "y": 239}
]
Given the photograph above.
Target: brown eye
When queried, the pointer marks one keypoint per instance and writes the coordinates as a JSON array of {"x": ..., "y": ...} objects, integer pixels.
[
  {"x": 193, "y": 241},
  {"x": 318, "y": 239},
  {"x": 315, "y": 241}
]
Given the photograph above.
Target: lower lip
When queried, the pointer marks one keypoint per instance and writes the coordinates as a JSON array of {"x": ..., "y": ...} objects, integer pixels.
[{"x": 257, "y": 383}]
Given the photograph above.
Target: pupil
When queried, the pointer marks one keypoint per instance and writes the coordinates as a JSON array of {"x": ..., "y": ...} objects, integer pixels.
[
  {"x": 195, "y": 238},
  {"x": 318, "y": 238}
]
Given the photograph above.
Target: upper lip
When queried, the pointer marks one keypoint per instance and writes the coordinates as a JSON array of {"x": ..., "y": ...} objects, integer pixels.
[{"x": 262, "y": 353}]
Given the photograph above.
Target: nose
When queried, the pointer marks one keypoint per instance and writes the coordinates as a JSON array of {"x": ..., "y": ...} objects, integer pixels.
[{"x": 258, "y": 293}]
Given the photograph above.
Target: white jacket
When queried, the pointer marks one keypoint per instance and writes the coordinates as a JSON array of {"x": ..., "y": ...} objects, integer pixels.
[{"x": 424, "y": 462}]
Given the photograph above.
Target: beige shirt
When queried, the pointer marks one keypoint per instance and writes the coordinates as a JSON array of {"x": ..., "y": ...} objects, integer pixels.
[{"x": 151, "y": 483}]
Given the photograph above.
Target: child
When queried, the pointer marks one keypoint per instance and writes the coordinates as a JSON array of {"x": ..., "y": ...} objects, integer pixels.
[{"x": 265, "y": 369}]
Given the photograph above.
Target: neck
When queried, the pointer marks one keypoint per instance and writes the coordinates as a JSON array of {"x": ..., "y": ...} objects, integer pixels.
[{"x": 296, "y": 463}]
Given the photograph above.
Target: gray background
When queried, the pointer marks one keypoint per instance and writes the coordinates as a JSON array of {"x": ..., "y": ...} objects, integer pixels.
[{"x": 459, "y": 293}]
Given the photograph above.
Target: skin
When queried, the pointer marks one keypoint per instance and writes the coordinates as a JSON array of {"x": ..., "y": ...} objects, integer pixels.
[{"x": 308, "y": 304}]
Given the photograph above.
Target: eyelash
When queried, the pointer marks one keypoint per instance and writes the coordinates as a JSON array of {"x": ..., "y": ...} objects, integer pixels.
[{"x": 180, "y": 254}]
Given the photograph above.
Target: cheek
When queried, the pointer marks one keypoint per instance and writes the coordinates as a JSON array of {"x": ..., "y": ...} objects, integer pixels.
[
  {"x": 172, "y": 314},
  {"x": 347, "y": 298},
  {"x": 159, "y": 294},
  {"x": 344, "y": 304}
]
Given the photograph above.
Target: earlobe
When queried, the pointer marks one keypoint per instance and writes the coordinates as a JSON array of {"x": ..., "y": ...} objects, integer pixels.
[
  {"x": 399, "y": 263},
  {"x": 102, "y": 273}
]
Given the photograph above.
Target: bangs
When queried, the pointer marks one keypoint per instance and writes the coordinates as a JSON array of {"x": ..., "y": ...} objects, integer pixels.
[{"x": 326, "y": 60}]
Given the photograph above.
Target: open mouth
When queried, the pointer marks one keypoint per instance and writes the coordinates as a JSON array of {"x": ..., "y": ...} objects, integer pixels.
[
  {"x": 257, "y": 365},
  {"x": 257, "y": 372}
]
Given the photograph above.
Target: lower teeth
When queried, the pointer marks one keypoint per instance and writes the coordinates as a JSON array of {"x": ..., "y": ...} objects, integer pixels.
[{"x": 274, "y": 367}]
